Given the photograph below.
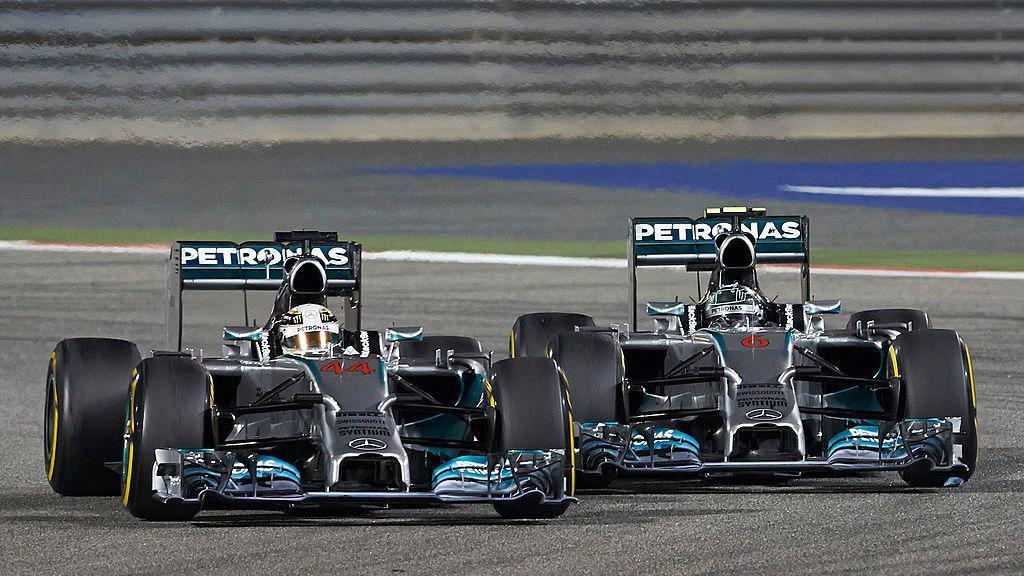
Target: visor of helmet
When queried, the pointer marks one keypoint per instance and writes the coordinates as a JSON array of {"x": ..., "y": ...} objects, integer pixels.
[{"x": 310, "y": 339}]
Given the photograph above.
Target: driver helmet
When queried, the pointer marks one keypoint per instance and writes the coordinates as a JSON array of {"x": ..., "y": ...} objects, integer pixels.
[
  {"x": 308, "y": 330},
  {"x": 734, "y": 305}
]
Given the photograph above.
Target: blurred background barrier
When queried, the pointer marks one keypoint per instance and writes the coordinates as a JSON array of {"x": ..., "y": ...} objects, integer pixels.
[{"x": 277, "y": 70}]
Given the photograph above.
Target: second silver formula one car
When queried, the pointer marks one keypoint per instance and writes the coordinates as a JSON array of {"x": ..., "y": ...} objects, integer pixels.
[{"x": 735, "y": 383}]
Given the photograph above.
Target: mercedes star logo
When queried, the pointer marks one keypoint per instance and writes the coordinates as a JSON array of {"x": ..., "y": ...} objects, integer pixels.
[
  {"x": 368, "y": 444},
  {"x": 762, "y": 414}
]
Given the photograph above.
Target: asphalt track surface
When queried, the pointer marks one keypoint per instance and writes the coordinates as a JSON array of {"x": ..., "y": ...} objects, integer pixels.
[
  {"x": 867, "y": 525},
  {"x": 347, "y": 187}
]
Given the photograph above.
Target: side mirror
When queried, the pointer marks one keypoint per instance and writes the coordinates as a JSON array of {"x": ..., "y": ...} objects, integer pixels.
[
  {"x": 404, "y": 334},
  {"x": 823, "y": 307},
  {"x": 236, "y": 333}
]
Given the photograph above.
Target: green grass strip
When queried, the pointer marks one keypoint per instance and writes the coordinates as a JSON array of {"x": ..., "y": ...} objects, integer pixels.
[{"x": 606, "y": 249}]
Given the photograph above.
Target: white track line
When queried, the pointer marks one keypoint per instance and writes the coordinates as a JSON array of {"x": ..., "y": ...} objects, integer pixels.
[
  {"x": 909, "y": 192},
  {"x": 522, "y": 260},
  {"x": 29, "y": 246}
]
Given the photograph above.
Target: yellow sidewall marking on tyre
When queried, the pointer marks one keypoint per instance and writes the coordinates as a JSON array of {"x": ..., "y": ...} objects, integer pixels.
[
  {"x": 572, "y": 436},
  {"x": 895, "y": 364},
  {"x": 970, "y": 375},
  {"x": 512, "y": 344},
  {"x": 131, "y": 440},
  {"x": 490, "y": 393},
  {"x": 974, "y": 402},
  {"x": 131, "y": 401},
  {"x": 53, "y": 441}
]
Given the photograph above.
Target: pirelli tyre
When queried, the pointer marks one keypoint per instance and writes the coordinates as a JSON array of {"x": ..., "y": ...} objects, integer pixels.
[
  {"x": 534, "y": 414},
  {"x": 913, "y": 319},
  {"x": 937, "y": 378},
  {"x": 86, "y": 387},
  {"x": 594, "y": 367},
  {"x": 531, "y": 333},
  {"x": 168, "y": 404}
]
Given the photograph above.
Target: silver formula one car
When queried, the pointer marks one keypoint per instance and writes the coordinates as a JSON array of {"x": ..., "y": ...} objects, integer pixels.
[
  {"x": 308, "y": 411},
  {"x": 734, "y": 383}
]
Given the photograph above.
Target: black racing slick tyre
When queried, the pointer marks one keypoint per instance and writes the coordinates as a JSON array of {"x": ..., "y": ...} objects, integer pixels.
[
  {"x": 534, "y": 413},
  {"x": 938, "y": 382},
  {"x": 594, "y": 367},
  {"x": 428, "y": 346},
  {"x": 168, "y": 406},
  {"x": 86, "y": 387},
  {"x": 914, "y": 319},
  {"x": 531, "y": 333},
  {"x": 593, "y": 364}
]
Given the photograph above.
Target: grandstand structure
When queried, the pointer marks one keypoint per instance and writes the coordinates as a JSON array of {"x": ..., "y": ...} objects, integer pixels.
[{"x": 367, "y": 69}]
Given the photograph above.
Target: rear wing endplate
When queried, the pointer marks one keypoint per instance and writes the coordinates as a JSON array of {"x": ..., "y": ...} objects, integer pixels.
[
  {"x": 215, "y": 265},
  {"x": 666, "y": 241}
]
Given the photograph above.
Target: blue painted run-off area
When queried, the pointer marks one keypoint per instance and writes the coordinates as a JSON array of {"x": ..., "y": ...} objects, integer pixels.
[{"x": 984, "y": 188}]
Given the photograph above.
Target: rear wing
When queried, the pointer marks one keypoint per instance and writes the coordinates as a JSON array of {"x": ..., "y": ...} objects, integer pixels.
[
  {"x": 665, "y": 241},
  {"x": 259, "y": 265}
]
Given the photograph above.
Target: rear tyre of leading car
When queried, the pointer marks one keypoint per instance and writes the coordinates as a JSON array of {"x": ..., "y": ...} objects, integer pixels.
[
  {"x": 913, "y": 319},
  {"x": 594, "y": 368},
  {"x": 86, "y": 386},
  {"x": 427, "y": 347},
  {"x": 168, "y": 405},
  {"x": 531, "y": 333},
  {"x": 534, "y": 413}
]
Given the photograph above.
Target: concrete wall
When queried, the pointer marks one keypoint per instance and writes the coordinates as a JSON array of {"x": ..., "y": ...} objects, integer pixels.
[{"x": 321, "y": 69}]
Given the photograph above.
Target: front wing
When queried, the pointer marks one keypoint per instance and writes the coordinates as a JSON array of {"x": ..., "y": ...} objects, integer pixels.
[
  {"x": 461, "y": 481},
  {"x": 655, "y": 451}
]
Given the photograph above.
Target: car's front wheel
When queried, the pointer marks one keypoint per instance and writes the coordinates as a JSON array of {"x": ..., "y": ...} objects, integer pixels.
[
  {"x": 938, "y": 378},
  {"x": 168, "y": 405},
  {"x": 534, "y": 418}
]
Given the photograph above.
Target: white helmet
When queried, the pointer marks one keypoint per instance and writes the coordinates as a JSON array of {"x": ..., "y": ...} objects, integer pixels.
[{"x": 309, "y": 329}]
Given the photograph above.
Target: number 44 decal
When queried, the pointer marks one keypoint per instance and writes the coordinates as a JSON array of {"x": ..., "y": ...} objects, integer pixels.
[{"x": 336, "y": 367}]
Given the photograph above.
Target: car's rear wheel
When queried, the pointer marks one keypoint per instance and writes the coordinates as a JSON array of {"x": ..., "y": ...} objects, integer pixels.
[
  {"x": 594, "y": 367},
  {"x": 86, "y": 386},
  {"x": 428, "y": 346},
  {"x": 912, "y": 319},
  {"x": 534, "y": 414},
  {"x": 531, "y": 333},
  {"x": 168, "y": 407}
]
